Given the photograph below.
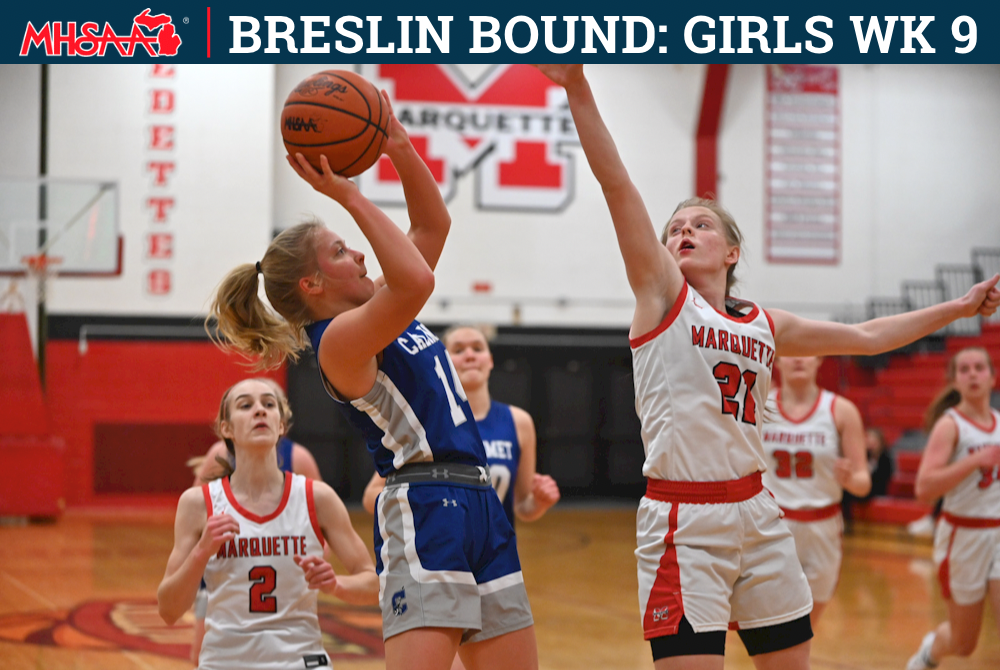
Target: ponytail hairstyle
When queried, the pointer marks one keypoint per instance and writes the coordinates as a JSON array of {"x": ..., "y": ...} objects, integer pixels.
[
  {"x": 228, "y": 464},
  {"x": 949, "y": 396},
  {"x": 245, "y": 324},
  {"x": 732, "y": 232}
]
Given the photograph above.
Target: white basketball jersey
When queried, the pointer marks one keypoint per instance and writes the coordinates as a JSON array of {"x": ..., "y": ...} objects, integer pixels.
[
  {"x": 801, "y": 455},
  {"x": 261, "y": 612},
  {"x": 701, "y": 378},
  {"x": 978, "y": 495}
]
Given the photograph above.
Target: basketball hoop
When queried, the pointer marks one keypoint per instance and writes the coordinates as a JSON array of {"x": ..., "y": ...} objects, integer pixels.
[{"x": 41, "y": 267}]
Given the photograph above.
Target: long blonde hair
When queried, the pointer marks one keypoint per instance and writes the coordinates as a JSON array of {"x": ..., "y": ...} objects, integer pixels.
[
  {"x": 245, "y": 324},
  {"x": 949, "y": 396},
  {"x": 729, "y": 228}
]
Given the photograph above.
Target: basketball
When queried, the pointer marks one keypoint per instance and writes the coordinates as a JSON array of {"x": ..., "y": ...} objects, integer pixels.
[{"x": 339, "y": 114}]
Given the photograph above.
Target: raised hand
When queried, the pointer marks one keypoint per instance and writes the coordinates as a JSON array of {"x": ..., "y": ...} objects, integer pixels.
[
  {"x": 842, "y": 471},
  {"x": 983, "y": 298},
  {"x": 219, "y": 529},
  {"x": 319, "y": 574},
  {"x": 545, "y": 491},
  {"x": 327, "y": 182}
]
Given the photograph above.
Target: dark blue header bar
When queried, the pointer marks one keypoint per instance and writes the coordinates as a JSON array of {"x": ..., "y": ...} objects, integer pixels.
[{"x": 619, "y": 31}]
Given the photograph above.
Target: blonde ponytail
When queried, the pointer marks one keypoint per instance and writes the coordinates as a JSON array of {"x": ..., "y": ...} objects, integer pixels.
[{"x": 245, "y": 324}]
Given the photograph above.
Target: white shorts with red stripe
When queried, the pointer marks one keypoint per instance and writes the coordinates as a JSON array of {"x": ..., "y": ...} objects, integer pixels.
[
  {"x": 967, "y": 553},
  {"x": 819, "y": 544},
  {"x": 719, "y": 554}
]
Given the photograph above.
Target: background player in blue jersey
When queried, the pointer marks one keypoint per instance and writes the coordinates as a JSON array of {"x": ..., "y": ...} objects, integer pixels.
[
  {"x": 220, "y": 461},
  {"x": 508, "y": 433},
  {"x": 445, "y": 553}
]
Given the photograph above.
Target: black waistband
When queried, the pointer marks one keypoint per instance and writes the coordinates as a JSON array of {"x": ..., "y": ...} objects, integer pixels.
[{"x": 440, "y": 473}]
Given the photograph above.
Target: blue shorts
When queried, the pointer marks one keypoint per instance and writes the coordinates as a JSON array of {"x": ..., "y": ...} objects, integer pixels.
[{"x": 446, "y": 556}]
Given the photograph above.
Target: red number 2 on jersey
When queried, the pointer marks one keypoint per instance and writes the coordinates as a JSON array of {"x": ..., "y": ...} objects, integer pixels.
[
  {"x": 730, "y": 378},
  {"x": 264, "y": 579}
]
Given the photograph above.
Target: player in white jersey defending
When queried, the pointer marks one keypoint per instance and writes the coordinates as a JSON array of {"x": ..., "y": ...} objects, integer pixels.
[
  {"x": 712, "y": 548},
  {"x": 815, "y": 446},
  {"x": 258, "y": 537},
  {"x": 962, "y": 463}
]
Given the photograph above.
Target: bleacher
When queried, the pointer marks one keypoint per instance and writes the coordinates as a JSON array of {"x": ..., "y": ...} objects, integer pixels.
[{"x": 893, "y": 391}]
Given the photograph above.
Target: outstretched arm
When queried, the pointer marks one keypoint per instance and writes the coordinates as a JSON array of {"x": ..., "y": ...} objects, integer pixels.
[
  {"x": 429, "y": 217},
  {"x": 652, "y": 272},
  {"x": 795, "y": 336}
]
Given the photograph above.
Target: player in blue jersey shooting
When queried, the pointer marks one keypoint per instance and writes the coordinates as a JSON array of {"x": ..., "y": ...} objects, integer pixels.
[{"x": 445, "y": 553}]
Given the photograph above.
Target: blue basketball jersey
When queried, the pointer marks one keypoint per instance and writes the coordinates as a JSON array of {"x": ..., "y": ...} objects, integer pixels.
[
  {"x": 503, "y": 452},
  {"x": 416, "y": 411},
  {"x": 284, "y": 450}
]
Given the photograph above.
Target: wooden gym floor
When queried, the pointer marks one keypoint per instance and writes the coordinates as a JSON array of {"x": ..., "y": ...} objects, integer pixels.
[{"x": 80, "y": 593}]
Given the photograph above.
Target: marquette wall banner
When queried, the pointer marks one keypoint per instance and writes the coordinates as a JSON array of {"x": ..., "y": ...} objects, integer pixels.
[
  {"x": 802, "y": 171},
  {"x": 448, "y": 31}
]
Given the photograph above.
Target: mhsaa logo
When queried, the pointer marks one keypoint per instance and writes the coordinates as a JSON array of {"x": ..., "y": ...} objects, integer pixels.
[
  {"x": 509, "y": 126},
  {"x": 155, "y": 33}
]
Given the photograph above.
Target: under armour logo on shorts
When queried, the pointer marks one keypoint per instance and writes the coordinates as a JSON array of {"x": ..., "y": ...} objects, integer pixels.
[
  {"x": 399, "y": 602},
  {"x": 445, "y": 502}
]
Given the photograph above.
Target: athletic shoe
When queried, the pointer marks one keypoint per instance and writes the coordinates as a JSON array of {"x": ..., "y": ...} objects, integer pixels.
[{"x": 922, "y": 659}]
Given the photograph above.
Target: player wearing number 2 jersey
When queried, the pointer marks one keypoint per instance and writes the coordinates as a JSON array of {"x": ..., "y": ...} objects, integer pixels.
[
  {"x": 815, "y": 446},
  {"x": 962, "y": 463},
  {"x": 257, "y": 537},
  {"x": 712, "y": 548}
]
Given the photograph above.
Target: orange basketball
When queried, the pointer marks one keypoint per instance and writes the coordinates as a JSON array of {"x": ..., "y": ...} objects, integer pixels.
[{"x": 339, "y": 114}]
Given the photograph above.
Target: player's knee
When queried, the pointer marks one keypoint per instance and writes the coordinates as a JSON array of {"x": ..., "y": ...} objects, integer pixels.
[
  {"x": 778, "y": 637},
  {"x": 686, "y": 642}
]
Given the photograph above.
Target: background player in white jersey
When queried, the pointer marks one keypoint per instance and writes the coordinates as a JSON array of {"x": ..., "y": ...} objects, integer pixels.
[
  {"x": 220, "y": 461},
  {"x": 445, "y": 553},
  {"x": 815, "y": 446},
  {"x": 526, "y": 494},
  {"x": 258, "y": 537},
  {"x": 962, "y": 463},
  {"x": 712, "y": 548}
]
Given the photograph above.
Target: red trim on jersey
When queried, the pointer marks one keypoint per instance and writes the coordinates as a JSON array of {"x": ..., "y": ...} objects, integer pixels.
[
  {"x": 667, "y": 320},
  {"x": 970, "y": 521},
  {"x": 746, "y": 318},
  {"x": 250, "y": 516},
  {"x": 812, "y": 514},
  {"x": 703, "y": 493},
  {"x": 770, "y": 322},
  {"x": 311, "y": 504},
  {"x": 944, "y": 571},
  {"x": 665, "y": 600},
  {"x": 208, "y": 499},
  {"x": 993, "y": 415},
  {"x": 833, "y": 410},
  {"x": 811, "y": 411}
]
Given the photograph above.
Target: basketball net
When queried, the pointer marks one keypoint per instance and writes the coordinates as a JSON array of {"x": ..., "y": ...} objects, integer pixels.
[{"x": 41, "y": 268}]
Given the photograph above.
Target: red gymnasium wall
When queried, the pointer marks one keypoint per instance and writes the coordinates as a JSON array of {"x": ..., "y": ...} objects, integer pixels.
[{"x": 150, "y": 406}]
